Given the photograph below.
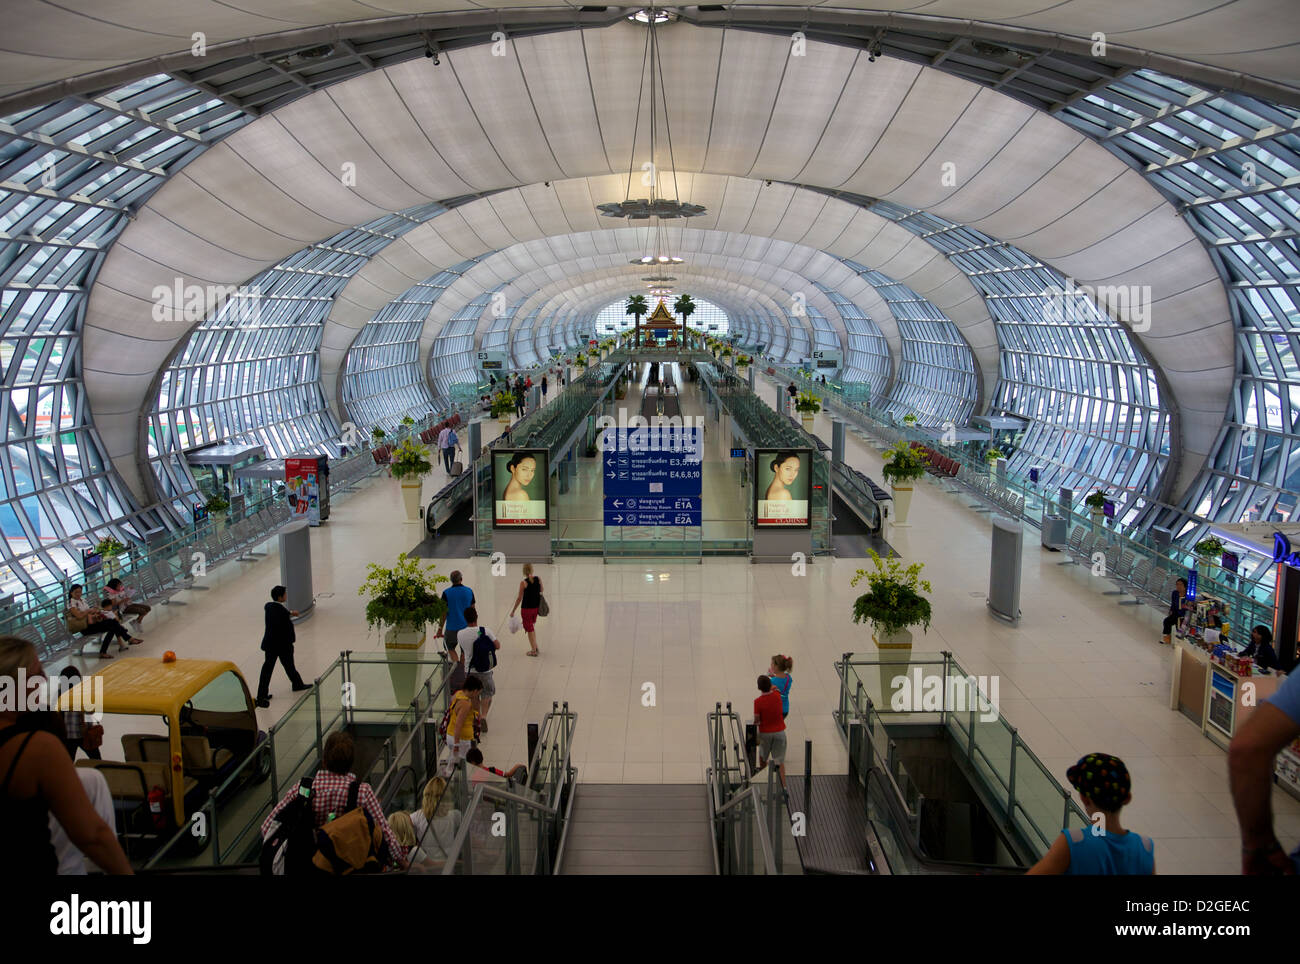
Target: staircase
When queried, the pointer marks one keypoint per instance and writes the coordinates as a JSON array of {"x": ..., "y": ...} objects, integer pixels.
[{"x": 644, "y": 829}]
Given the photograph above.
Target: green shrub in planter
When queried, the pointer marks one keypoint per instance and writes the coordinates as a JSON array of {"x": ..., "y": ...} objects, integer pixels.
[
  {"x": 1209, "y": 548},
  {"x": 405, "y": 595},
  {"x": 216, "y": 504},
  {"x": 894, "y": 602},
  {"x": 1096, "y": 500},
  {"x": 807, "y": 403},
  {"x": 378, "y": 434},
  {"x": 409, "y": 461},
  {"x": 503, "y": 403},
  {"x": 902, "y": 464},
  {"x": 108, "y": 547}
]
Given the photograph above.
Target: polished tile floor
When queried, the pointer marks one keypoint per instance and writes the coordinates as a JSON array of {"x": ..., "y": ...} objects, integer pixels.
[{"x": 1077, "y": 674}]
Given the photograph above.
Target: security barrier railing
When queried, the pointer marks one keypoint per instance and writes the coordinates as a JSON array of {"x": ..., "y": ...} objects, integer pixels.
[
  {"x": 395, "y": 699},
  {"x": 1021, "y": 790},
  {"x": 1130, "y": 557},
  {"x": 509, "y": 829},
  {"x": 747, "y": 817}
]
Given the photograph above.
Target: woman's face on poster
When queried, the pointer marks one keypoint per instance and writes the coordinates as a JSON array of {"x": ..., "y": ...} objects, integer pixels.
[
  {"x": 788, "y": 471},
  {"x": 524, "y": 471}
]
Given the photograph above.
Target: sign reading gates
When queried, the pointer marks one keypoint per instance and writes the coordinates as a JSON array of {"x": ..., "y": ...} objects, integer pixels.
[
  {"x": 519, "y": 489},
  {"x": 781, "y": 486}
]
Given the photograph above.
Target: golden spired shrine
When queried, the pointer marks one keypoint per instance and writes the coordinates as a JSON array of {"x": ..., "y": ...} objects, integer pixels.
[{"x": 661, "y": 319}]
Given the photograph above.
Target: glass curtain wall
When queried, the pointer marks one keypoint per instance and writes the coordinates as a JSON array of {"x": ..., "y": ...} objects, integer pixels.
[
  {"x": 936, "y": 378},
  {"x": 1090, "y": 395},
  {"x": 72, "y": 173},
  {"x": 250, "y": 373},
  {"x": 1231, "y": 164},
  {"x": 382, "y": 380},
  {"x": 867, "y": 357}
]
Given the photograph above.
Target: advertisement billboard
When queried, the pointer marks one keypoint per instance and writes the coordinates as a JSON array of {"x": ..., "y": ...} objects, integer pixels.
[
  {"x": 781, "y": 488},
  {"x": 302, "y": 485},
  {"x": 520, "y": 494}
]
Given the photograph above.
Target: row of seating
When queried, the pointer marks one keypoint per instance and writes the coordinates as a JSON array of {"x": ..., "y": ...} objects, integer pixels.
[
  {"x": 163, "y": 575},
  {"x": 987, "y": 487},
  {"x": 936, "y": 463},
  {"x": 430, "y": 435},
  {"x": 1138, "y": 577}
]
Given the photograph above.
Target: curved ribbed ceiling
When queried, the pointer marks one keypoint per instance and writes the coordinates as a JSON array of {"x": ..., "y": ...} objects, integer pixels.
[
  {"x": 48, "y": 42},
  {"x": 561, "y": 108}
]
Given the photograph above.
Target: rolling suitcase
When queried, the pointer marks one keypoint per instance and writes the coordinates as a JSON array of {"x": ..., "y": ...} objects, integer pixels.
[{"x": 457, "y": 467}]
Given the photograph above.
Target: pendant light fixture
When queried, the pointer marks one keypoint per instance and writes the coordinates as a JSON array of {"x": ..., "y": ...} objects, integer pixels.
[{"x": 654, "y": 207}]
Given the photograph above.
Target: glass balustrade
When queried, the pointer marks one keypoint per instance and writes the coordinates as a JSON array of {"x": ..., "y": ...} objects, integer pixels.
[{"x": 1025, "y": 792}]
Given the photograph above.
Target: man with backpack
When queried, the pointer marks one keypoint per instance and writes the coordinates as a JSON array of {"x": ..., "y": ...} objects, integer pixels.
[
  {"x": 447, "y": 442},
  {"x": 331, "y": 822},
  {"x": 481, "y": 646}
]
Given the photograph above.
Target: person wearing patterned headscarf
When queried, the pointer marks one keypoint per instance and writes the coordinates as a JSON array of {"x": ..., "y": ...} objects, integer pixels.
[{"x": 1105, "y": 847}]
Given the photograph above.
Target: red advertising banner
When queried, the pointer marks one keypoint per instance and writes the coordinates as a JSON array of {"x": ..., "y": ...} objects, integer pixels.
[{"x": 302, "y": 481}]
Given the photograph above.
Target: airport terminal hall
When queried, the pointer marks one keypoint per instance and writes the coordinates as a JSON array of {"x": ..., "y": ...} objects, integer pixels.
[{"x": 537, "y": 439}]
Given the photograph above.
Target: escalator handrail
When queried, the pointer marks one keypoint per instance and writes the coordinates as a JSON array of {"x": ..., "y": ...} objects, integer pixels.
[{"x": 899, "y": 811}]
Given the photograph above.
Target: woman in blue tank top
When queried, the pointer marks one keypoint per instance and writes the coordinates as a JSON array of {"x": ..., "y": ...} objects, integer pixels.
[
  {"x": 1105, "y": 847},
  {"x": 779, "y": 674}
]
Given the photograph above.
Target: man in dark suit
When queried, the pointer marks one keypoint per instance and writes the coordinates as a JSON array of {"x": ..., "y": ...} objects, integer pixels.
[{"x": 277, "y": 643}]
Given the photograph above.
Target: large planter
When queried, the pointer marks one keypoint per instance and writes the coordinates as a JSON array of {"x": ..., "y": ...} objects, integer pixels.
[
  {"x": 902, "y": 503},
  {"x": 895, "y": 654},
  {"x": 1098, "y": 515},
  {"x": 807, "y": 419},
  {"x": 411, "y": 499},
  {"x": 504, "y": 418},
  {"x": 407, "y": 638},
  {"x": 405, "y": 646}
]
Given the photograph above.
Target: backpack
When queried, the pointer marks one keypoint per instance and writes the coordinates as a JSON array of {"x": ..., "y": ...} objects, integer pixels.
[
  {"x": 350, "y": 844},
  {"x": 452, "y": 440},
  {"x": 482, "y": 638},
  {"x": 289, "y": 847}
]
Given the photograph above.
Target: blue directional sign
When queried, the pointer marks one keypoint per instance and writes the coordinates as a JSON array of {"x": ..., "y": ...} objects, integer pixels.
[
  {"x": 653, "y": 518},
  {"x": 737, "y": 453},
  {"x": 652, "y": 476},
  {"x": 654, "y": 503}
]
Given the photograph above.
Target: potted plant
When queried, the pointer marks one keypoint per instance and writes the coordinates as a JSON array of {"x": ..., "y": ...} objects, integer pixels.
[
  {"x": 408, "y": 421},
  {"x": 1208, "y": 549},
  {"x": 580, "y": 362},
  {"x": 503, "y": 406},
  {"x": 410, "y": 464},
  {"x": 909, "y": 419},
  {"x": 743, "y": 362},
  {"x": 903, "y": 466},
  {"x": 216, "y": 505},
  {"x": 1096, "y": 503},
  {"x": 893, "y": 604},
  {"x": 109, "y": 548},
  {"x": 405, "y": 599},
  {"x": 807, "y": 405}
]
